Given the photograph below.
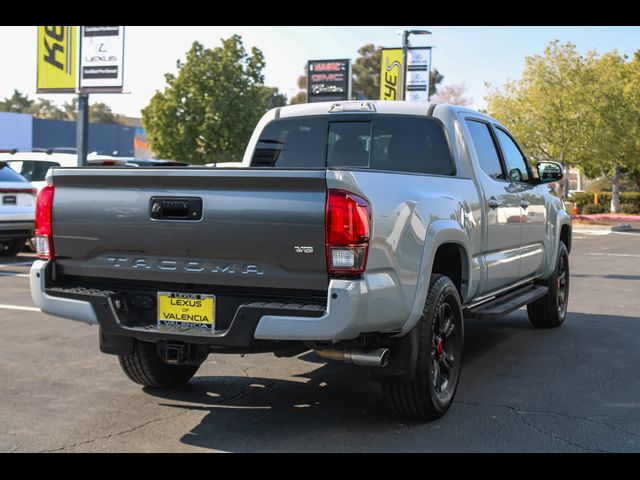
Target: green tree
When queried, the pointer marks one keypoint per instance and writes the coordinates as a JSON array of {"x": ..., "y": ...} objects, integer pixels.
[
  {"x": 17, "y": 103},
  {"x": 272, "y": 97},
  {"x": 301, "y": 96},
  {"x": 613, "y": 115},
  {"x": 98, "y": 112},
  {"x": 46, "y": 109},
  {"x": 545, "y": 108},
  {"x": 581, "y": 110},
  {"x": 633, "y": 91},
  {"x": 366, "y": 72},
  {"x": 101, "y": 113},
  {"x": 207, "y": 111}
]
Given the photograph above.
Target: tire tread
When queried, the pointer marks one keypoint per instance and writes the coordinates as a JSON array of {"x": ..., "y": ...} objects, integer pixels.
[
  {"x": 145, "y": 367},
  {"x": 413, "y": 400}
]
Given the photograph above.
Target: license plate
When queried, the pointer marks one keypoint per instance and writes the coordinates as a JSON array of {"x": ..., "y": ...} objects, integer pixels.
[
  {"x": 9, "y": 200},
  {"x": 187, "y": 311}
]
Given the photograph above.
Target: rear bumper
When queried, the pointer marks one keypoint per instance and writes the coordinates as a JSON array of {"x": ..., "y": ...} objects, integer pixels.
[
  {"x": 69, "y": 308},
  {"x": 342, "y": 318},
  {"x": 16, "y": 229}
]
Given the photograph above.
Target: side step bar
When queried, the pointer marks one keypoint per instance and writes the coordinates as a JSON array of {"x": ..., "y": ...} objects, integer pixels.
[{"x": 507, "y": 303}]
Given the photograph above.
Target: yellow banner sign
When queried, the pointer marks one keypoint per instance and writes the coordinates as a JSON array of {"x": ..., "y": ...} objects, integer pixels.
[
  {"x": 391, "y": 74},
  {"x": 57, "y": 59}
]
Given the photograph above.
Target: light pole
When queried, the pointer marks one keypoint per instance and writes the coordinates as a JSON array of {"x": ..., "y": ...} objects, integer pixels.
[{"x": 405, "y": 48}]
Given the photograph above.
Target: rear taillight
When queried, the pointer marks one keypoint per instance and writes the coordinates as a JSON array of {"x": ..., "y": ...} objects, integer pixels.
[
  {"x": 44, "y": 233},
  {"x": 348, "y": 223}
]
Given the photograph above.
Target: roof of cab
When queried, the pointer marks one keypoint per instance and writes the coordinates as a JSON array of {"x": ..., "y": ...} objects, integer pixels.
[{"x": 381, "y": 106}]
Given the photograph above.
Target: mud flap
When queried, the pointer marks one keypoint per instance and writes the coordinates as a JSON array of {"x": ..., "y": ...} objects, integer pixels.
[
  {"x": 115, "y": 344},
  {"x": 404, "y": 359}
]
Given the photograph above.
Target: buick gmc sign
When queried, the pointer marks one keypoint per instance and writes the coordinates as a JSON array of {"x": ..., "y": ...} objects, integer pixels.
[{"x": 328, "y": 80}]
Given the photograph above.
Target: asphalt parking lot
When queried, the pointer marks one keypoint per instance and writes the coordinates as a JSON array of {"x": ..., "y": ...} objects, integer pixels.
[{"x": 572, "y": 389}]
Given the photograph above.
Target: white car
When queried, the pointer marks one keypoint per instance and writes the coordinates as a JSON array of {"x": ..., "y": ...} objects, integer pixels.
[
  {"x": 34, "y": 165},
  {"x": 17, "y": 210}
]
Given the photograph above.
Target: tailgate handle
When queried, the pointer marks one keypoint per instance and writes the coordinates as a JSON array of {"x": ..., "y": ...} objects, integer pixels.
[{"x": 174, "y": 208}]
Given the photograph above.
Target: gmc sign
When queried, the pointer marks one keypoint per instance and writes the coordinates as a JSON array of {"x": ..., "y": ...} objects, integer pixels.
[{"x": 328, "y": 80}]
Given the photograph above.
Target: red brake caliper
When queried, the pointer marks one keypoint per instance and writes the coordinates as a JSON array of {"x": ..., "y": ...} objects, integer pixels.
[{"x": 439, "y": 349}]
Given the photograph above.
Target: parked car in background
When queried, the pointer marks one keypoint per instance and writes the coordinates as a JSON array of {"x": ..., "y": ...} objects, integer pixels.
[
  {"x": 17, "y": 210},
  {"x": 156, "y": 162},
  {"x": 34, "y": 165},
  {"x": 224, "y": 165}
]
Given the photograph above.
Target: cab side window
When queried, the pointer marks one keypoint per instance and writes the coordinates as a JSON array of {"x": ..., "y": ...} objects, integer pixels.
[
  {"x": 513, "y": 157},
  {"x": 486, "y": 149}
]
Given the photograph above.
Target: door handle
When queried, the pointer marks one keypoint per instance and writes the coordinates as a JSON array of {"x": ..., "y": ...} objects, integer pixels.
[
  {"x": 176, "y": 208},
  {"x": 493, "y": 202},
  {"x": 524, "y": 203}
]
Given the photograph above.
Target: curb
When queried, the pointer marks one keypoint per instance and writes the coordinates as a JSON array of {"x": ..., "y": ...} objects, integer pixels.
[
  {"x": 606, "y": 216},
  {"x": 602, "y": 231}
]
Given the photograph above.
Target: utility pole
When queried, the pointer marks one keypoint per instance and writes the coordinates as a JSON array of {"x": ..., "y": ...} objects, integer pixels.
[
  {"x": 82, "y": 129},
  {"x": 405, "y": 48}
]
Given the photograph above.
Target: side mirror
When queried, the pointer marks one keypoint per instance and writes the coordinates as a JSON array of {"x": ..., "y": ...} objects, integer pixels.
[{"x": 549, "y": 171}]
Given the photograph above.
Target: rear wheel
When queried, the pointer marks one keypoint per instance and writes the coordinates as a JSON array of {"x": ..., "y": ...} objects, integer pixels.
[
  {"x": 550, "y": 310},
  {"x": 144, "y": 366},
  {"x": 430, "y": 394},
  {"x": 11, "y": 248}
]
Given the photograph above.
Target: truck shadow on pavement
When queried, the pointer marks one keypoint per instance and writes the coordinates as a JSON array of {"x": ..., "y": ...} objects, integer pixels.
[{"x": 332, "y": 405}]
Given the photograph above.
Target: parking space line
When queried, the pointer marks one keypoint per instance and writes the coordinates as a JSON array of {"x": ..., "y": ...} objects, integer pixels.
[
  {"x": 14, "y": 274},
  {"x": 19, "y": 307},
  {"x": 16, "y": 264},
  {"x": 614, "y": 255}
]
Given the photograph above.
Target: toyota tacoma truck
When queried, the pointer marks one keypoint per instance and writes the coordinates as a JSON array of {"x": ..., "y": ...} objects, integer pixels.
[{"x": 364, "y": 231}]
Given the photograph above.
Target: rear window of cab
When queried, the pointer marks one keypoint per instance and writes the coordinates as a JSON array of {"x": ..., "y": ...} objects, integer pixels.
[{"x": 395, "y": 143}]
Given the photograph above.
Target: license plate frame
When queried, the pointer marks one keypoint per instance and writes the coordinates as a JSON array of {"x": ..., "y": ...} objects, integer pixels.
[{"x": 178, "y": 311}]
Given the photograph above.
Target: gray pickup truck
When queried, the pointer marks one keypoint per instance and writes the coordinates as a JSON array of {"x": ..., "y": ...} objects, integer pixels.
[{"x": 365, "y": 231}]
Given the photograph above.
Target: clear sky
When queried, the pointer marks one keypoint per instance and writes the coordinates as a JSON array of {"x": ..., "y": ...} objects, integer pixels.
[{"x": 462, "y": 54}]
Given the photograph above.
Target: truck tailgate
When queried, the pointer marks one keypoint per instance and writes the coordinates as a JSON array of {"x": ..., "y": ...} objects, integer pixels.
[{"x": 253, "y": 226}]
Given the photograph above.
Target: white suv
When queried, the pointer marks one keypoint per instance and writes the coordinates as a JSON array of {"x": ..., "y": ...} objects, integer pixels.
[
  {"x": 34, "y": 165},
  {"x": 17, "y": 210}
]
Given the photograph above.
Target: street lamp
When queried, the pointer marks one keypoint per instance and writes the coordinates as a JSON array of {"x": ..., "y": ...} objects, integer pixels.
[{"x": 405, "y": 47}]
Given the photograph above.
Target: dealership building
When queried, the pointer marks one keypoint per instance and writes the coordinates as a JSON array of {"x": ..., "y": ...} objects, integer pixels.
[{"x": 24, "y": 132}]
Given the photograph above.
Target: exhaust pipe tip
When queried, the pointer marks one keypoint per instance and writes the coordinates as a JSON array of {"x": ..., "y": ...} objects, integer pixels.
[
  {"x": 379, "y": 357},
  {"x": 385, "y": 357},
  {"x": 373, "y": 358}
]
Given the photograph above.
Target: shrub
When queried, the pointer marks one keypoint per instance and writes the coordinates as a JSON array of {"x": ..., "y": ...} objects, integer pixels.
[
  {"x": 593, "y": 208},
  {"x": 629, "y": 208},
  {"x": 584, "y": 199},
  {"x": 581, "y": 199}
]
